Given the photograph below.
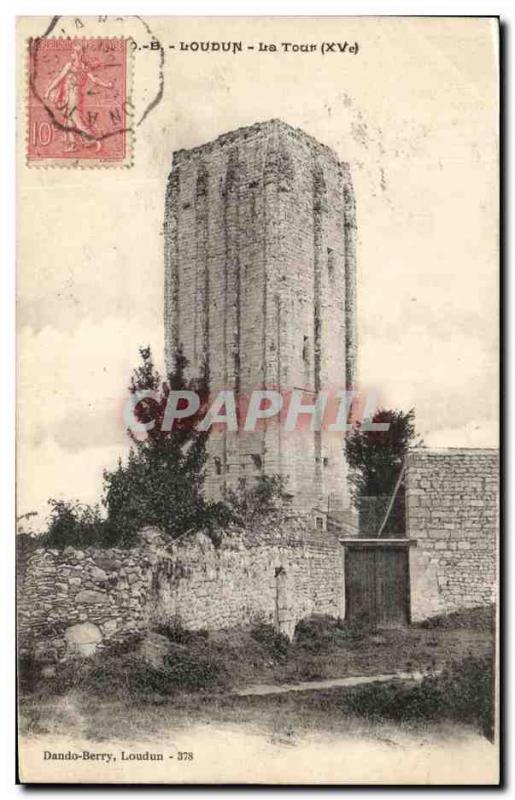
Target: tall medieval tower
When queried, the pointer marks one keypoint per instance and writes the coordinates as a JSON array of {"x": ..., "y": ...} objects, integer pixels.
[{"x": 260, "y": 286}]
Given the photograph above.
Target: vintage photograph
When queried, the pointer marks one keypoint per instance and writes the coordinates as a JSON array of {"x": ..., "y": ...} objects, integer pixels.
[{"x": 257, "y": 523}]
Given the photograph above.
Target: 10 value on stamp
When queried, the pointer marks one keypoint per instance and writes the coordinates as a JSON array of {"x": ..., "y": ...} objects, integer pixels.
[{"x": 78, "y": 102}]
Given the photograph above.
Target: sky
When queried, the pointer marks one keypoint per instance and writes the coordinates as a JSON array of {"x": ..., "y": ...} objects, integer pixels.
[{"x": 415, "y": 115}]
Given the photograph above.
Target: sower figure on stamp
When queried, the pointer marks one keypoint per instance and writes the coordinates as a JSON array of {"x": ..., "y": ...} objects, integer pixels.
[{"x": 67, "y": 91}]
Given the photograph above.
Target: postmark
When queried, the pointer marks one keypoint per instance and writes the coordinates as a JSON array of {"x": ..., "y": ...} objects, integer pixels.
[{"x": 79, "y": 104}]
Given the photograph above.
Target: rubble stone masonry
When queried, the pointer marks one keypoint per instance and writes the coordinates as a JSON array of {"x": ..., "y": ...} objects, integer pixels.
[
  {"x": 260, "y": 291},
  {"x": 95, "y": 596},
  {"x": 452, "y": 513}
]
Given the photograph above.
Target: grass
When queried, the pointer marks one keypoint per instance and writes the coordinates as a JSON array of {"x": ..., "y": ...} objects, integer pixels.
[
  {"x": 462, "y": 695},
  {"x": 194, "y": 681}
]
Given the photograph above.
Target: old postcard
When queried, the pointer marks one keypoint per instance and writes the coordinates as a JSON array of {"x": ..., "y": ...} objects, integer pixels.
[{"x": 258, "y": 386}]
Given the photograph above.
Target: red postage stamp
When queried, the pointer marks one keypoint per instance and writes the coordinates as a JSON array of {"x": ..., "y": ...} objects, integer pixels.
[{"x": 78, "y": 104}]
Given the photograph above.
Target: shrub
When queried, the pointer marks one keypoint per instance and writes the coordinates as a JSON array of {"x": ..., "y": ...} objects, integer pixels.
[
  {"x": 68, "y": 676},
  {"x": 317, "y": 633},
  {"x": 481, "y": 618},
  {"x": 275, "y": 643},
  {"x": 127, "y": 676},
  {"x": 194, "y": 673},
  {"x": 177, "y": 633},
  {"x": 464, "y": 693},
  {"x": 28, "y": 672},
  {"x": 73, "y": 523},
  {"x": 321, "y": 633},
  {"x": 376, "y": 459},
  {"x": 118, "y": 671},
  {"x": 469, "y": 686},
  {"x": 122, "y": 647},
  {"x": 26, "y": 544}
]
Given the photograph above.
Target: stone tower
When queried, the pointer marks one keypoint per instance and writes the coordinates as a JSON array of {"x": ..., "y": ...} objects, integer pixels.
[{"x": 260, "y": 286}]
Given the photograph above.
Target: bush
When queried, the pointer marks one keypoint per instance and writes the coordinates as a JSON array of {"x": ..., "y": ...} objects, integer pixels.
[
  {"x": 26, "y": 544},
  {"x": 470, "y": 688},
  {"x": 177, "y": 633},
  {"x": 28, "y": 672},
  {"x": 321, "y": 633},
  {"x": 122, "y": 647},
  {"x": 193, "y": 673},
  {"x": 463, "y": 693},
  {"x": 162, "y": 483},
  {"x": 69, "y": 675},
  {"x": 130, "y": 676},
  {"x": 481, "y": 618},
  {"x": 127, "y": 676},
  {"x": 317, "y": 633},
  {"x": 73, "y": 523},
  {"x": 275, "y": 643}
]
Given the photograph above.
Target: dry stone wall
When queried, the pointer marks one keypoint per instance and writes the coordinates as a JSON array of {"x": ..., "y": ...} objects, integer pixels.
[
  {"x": 74, "y": 597},
  {"x": 451, "y": 506},
  {"x": 278, "y": 579},
  {"x": 73, "y": 601}
]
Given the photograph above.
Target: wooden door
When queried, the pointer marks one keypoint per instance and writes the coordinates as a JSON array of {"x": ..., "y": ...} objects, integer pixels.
[
  {"x": 392, "y": 587},
  {"x": 377, "y": 585},
  {"x": 360, "y": 590}
]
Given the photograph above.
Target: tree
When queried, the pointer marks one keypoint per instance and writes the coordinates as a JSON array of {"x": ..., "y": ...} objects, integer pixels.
[
  {"x": 376, "y": 459},
  {"x": 162, "y": 482},
  {"x": 265, "y": 497}
]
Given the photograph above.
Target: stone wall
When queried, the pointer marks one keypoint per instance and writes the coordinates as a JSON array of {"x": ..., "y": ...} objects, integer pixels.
[
  {"x": 251, "y": 578},
  {"x": 451, "y": 508},
  {"x": 74, "y": 600},
  {"x": 90, "y": 594},
  {"x": 260, "y": 288}
]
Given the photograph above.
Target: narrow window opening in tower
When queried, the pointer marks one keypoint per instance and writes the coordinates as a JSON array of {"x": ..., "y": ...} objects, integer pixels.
[
  {"x": 256, "y": 458},
  {"x": 326, "y": 461},
  {"x": 218, "y": 466},
  {"x": 305, "y": 351},
  {"x": 330, "y": 263}
]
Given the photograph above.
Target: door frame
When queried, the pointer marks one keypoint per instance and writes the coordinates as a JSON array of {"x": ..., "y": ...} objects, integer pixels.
[{"x": 376, "y": 544}]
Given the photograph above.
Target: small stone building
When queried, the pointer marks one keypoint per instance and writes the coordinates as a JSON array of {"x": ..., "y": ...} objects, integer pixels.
[
  {"x": 446, "y": 560},
  {"x": 452, "y": 510}
]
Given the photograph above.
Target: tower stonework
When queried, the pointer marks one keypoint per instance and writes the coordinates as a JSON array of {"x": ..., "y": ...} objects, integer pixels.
[{"x": 260, "y": 290}]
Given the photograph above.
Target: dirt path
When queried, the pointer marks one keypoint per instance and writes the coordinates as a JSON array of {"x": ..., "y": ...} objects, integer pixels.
[{"x": 329, "y": 683}]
